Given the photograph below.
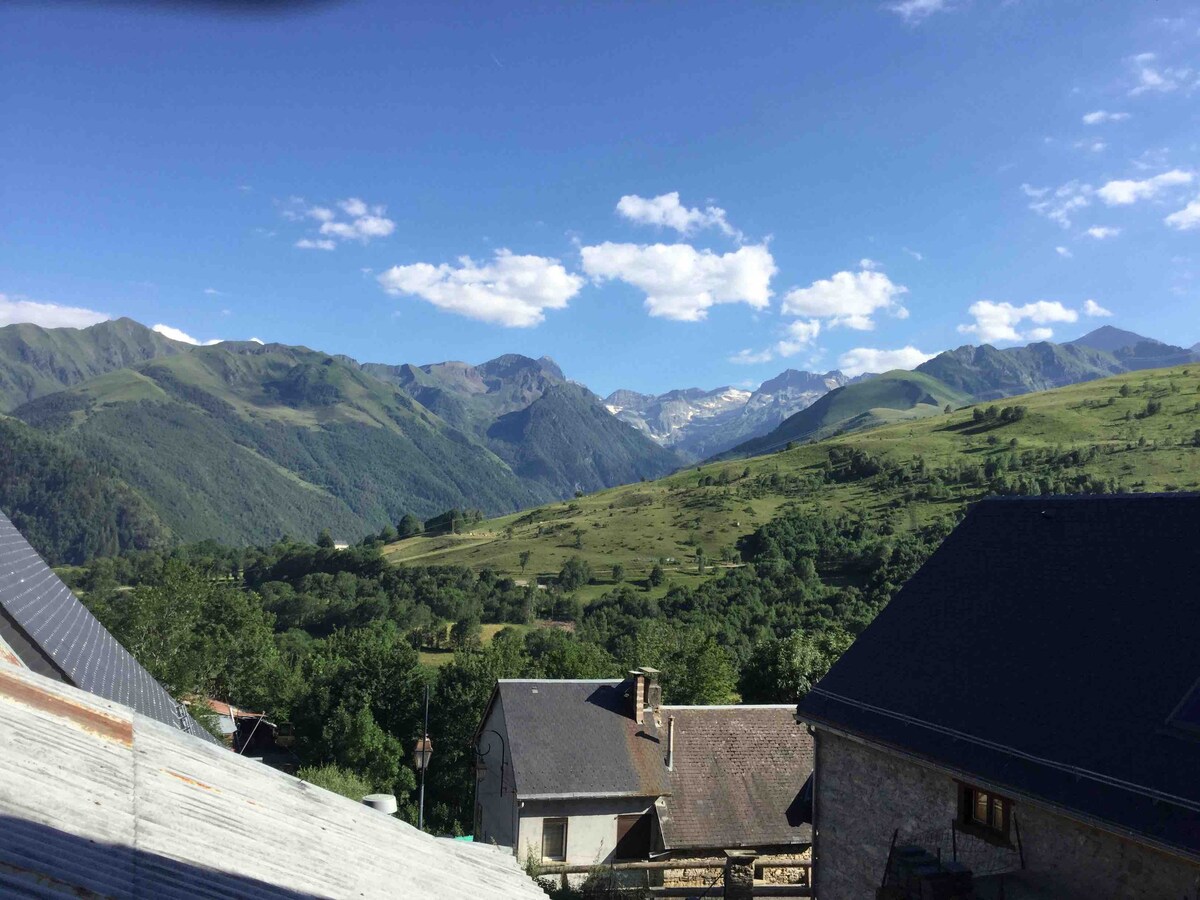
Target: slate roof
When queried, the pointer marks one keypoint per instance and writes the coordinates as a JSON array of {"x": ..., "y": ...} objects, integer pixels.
[
  {"x": 54, "y": 634},
  {"x": 97, "y": 800},
  {"x": 576, "y": 738},
  {"x": 737, "y": 775},
  {"x": 1043, "y": 648}
]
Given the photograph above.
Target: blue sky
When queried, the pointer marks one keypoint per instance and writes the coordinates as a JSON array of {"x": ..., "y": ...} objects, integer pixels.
[{"x": 656, "y": 195}]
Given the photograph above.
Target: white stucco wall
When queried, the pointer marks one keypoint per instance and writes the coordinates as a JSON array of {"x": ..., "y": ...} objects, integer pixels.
[
  {"x": 495, "y": 798},
  {"x": 591, "y": 827}
]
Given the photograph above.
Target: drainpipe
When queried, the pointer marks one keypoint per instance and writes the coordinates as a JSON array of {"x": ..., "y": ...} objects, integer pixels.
[{"x": 671, "y": 744}]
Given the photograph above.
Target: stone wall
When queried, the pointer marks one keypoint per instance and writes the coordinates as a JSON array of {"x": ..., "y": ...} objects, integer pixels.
[
  {"x": 864, "y": 795},
  {"x": 696, "y": 876}
]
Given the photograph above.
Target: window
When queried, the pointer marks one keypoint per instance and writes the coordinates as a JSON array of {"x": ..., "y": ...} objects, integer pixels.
[
  {"x": 633, "y": 837},
  {"x": 984, "y": 812},
  {"x": 554, "y": 839}
]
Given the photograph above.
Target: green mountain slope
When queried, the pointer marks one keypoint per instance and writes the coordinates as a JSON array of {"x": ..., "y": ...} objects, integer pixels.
[
  {"x": 985, "y": 373},
  {"x": 245, "y": 443},
  {"x": 890, "y": 397},
  {"x": 556, "y": 435},
  {"x": 70, "y": 508},
  {"x": 1097, "y": 436},
  {"x": 36, "y": 361}
]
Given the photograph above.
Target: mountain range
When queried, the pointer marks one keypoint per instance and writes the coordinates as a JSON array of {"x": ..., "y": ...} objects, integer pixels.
[{"x": 116, "y": 437}]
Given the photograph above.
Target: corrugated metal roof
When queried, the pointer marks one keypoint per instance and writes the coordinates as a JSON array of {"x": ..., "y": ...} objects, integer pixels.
[
  {"x": 98, "y": 800},
  {"x": 736, "y": 776},
  {"x": 62, "y": 630}
]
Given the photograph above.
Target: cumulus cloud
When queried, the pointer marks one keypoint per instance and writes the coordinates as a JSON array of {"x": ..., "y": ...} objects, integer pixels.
[
  {"x": 996, "y": 322},
  {"x": 681, "y": 282},
  {"x": 1063, "y": 252},
  {"x": 751, "y": 357},
  {"x": 915, "y": 11},
  {"x": 1101, "y": 232},
  {"x": 315, "y": 244},
  {"x": 861, "y": 360},
  {"x": 356, "y": 221},
  {"x": 848, "y": 298},
  {"x": 510, "y": 290},
  {"x": 1094, "y": 310},
  {"x": 1125, "y": 192},
  {"x": 1100, "y": 116},
  {"x": 182, "y": 336},
  {"x": 1061, "y": 203},
  {"x": 1187, "y": 218},
  {"x": 798, "y": 336},
  {"x": 665, "y": 211},
  {"x": 14, "y": 309}
]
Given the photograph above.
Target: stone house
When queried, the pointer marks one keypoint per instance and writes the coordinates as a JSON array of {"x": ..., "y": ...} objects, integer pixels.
[
  {"x": 600, "y": 771},
  {"x": 1023, "y": 719}
]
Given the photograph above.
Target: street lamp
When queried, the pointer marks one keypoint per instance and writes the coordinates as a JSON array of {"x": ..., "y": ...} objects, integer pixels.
[{"x": 421, "y": 755}]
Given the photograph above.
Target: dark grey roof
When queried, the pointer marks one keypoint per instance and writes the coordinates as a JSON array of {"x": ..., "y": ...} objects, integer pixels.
[
  {"x": 1044, "y": 648},
  {"x": 54, "y": 634},
  {"x": 736, "y": 778},
  {"x": 577, "y": 738}
]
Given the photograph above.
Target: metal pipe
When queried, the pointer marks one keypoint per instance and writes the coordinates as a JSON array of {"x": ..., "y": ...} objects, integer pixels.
[
  {"x": 421, "y": 801},
  {"x": 670, "y": 743}
]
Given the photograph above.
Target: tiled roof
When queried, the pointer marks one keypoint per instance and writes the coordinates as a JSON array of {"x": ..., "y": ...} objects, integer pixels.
[
  {"x": 577, "y": 738},
  {"x": 97, "y": 800},
  {"x": 1044, "y": 648},
  {"x": 53, "y": 632},
  {"x": 736, "y": 775}
]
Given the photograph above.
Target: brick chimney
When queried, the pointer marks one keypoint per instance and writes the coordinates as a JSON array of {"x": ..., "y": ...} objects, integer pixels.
[{"x": 646, "y": 694}]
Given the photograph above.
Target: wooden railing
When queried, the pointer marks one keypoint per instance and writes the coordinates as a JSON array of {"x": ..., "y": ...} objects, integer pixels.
[{"x": 713, "y": 890}]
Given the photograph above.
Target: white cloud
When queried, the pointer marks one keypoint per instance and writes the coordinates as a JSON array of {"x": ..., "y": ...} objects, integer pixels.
[
  {"x": 867, "y": 359},
  {"x": 1157, "y": 78},
  {"x": 255, "y": 340},
  {"x": 213, "y": 292},
  {"x": 917, "y": 10},
  {"x": 183, "y": 337},
  {"x": 1063, "y": 252},
  {"x": 511, "y": 290},
  {"x": 1187, "y": 218},
  {"x": 998, "y": 321},
  {"x": 918, "y": 256},
  {"x": 799, "y": 336},
  {"x": 1061, "y": 203},
  {"x": 848, "y": 298},
  {"x": 1101, "y": 232},
  {"x": 1100, "y": 116},
  {"x": 681, "y": 282},
  {"x": 1123, "y": 193},
  {"x": 1093, "y": 146},
  {"x": 315, "y": 244},
  {"x": 364, "y": 222},
  {"x": 1093, "y": 309},
  {"x": 14, "y": 309},
  {"x": 665, "y": 210},
  {"x": 751, "y": 357}
]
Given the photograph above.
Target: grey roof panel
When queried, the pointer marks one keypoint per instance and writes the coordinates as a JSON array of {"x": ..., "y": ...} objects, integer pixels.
[
  {"x": 736, "y": 778},
  {"x": 64, "y": 631},
  {"x": 1044, "y": 648},
  {"x": 576, "y": 737}
]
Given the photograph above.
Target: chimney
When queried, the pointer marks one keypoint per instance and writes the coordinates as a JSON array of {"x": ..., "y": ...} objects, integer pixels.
[
  {"x": 670, "y": 743},
  {"x": 639, "y": 695}
]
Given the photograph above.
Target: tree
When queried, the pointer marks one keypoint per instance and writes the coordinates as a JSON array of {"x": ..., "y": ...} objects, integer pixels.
[
  {"x": 949, "y": 409},
  {"x": 579, "y": 533},
  {"x": 696, "y": 670},
  {"x": 657, "y": 576},
  {"x": 325, "y": 539},
  {"x": 466, "y": 632},
  {"x": 524, "y": 559},
  {"x": 783, "y": 670},
  {"x": 574, "y": 574},
  {"x": 409, "y": 526},
  {"x": 618, "y": 573}
]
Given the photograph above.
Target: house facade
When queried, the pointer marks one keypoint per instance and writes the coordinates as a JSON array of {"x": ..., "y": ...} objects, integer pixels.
[
  {"x": 595, "y": 772},
  {"x": 1023, "y": 718}
]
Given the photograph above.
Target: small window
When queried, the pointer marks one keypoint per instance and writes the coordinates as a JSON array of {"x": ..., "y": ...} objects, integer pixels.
[
  {"x": 554, "y": 839},
  {"x": 633, "y": 837},
  {"x": 982, "y": 810}
]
